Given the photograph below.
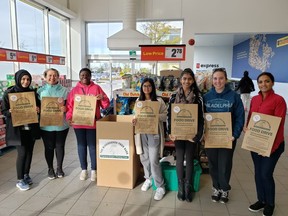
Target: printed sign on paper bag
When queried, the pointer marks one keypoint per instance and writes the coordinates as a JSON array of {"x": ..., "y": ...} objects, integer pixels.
[
  {"x": 261, "y": 133},
  {"x": 218, "y": 130},
  {"x": 184, "y": 121},
  {"x": 23, "y": 108}
]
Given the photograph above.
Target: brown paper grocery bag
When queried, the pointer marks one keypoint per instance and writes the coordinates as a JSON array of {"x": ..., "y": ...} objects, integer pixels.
[
  {"x": 261, "y": 133},
  {"x": 218, "y": 130},
  {"x": 184, "y": 121},
  {"x": 84, "y": 110},
  {"x": 147, "y": 115},
  {"x": 51, "y": 114},
  {"x": 23, "y": 108}
]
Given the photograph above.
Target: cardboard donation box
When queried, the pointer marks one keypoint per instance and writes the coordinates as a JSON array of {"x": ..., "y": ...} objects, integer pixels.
[
  {"x": 218, "y": 130},
  {"x": 117, "y": 162},
  {"x": 261, "y": 133},
  {"x": 184, "y": 121},
  {"x": 147, "y": 115}
]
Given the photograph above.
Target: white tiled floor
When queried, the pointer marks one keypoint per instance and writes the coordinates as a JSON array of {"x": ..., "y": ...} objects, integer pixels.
[{"x": 70, "y": 196}]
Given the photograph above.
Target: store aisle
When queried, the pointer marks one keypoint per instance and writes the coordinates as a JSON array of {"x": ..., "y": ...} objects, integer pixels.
[{"x": 70, "y": 196}]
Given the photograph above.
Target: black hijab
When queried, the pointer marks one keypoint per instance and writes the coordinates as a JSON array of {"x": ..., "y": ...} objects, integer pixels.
[{"x": 18, "y": 76}]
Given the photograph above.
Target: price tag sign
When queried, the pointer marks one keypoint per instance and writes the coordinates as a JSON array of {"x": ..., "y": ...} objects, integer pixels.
[
  {"x": 11, "y": 55},
  {"x": 32, "y": 57},
  {"x": 49, "y": 59},
  {"x": 174, "y": 52},
  {"x": 62, "y": 61}
]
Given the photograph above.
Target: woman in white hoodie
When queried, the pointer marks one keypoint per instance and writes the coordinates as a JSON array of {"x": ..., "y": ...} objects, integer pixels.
[{"x": 151, "y": 143}]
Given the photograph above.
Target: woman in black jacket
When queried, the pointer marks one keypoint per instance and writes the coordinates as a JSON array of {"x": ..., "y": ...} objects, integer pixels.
[
  {"x": 187, "y": 93},
  {"x": 23, "y": 137}
]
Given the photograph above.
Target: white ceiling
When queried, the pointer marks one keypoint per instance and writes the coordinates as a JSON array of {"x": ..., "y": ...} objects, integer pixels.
[{"x": 220, "y": 39}]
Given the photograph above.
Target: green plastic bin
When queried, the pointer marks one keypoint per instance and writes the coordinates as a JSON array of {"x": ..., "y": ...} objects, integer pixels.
[{"x": 170, "y": 176}]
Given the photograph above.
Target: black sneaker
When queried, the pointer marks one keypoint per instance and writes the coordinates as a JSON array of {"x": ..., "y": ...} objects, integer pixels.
[
  {"x": 256, "y": 207},
  {"x": 215, "y": 194},
  {"x": 27, "y": 179},
  {"x": 224, "y": 196},
  {"x": 51, "y": 173},
  {"x": 60, "y": 173},
  {"x": 268, "y": 210}
]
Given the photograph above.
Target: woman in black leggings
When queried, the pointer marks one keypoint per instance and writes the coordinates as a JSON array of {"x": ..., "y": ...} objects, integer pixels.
[{"x": 24, "y": 136}]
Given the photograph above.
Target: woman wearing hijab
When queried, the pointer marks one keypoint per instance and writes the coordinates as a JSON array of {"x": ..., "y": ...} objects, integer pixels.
[{"x": 24, "y": 136}]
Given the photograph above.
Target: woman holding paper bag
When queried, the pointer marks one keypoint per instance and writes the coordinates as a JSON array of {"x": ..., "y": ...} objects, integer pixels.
[
  {"x": 86, "y": 135},
  {"x": 187, "y": 93},
  {"x": 23, "y": 137},
  {"x": 221, "y": 98},
  {"x": 54, "y": 137},
  {"x": 269, "y": 103},
  {"x": 151, "y": 142}
]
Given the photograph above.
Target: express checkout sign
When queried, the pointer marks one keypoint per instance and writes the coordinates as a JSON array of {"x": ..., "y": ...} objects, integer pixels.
[
  {"x": 21, "y": 56},
  {"x": 163, "y": 52}
]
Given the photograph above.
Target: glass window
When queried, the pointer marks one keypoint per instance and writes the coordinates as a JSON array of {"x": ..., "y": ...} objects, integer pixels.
[
  {"x": 35, "y": 69},
  {"x": 6, "y": 68},
  {"x": 30, "y": 27},
  {"x": 97, "y": 34},
  {"x": 57, "y": 35},
  {"x": 161, "y": 32},
  {"x": 5, "y": 23}
]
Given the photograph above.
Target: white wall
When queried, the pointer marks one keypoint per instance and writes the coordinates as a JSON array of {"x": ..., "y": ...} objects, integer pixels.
[
  {"x": 221, "y": 16},
  {"x": 214, "y": 55}
]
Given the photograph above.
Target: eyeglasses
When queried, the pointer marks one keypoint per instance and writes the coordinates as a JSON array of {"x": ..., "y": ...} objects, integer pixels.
[
  {"x": 219, "y": 69},
  {"x": 147, "y": 86}
]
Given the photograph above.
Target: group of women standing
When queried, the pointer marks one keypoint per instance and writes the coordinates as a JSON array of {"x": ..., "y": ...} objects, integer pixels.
[
  {"x": 221, "y": 98},
  {"x": 54, "y": 137}
]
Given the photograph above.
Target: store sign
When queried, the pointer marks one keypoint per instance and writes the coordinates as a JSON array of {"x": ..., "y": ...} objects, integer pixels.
[
  {"x": 21, "y": 56},
  {"x": 163, "y": 52}
]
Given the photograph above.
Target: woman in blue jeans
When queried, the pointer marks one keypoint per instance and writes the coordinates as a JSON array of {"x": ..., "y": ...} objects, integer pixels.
[
  {"x": 269, "y": 103},
  {"x": 86, "y": 135}
]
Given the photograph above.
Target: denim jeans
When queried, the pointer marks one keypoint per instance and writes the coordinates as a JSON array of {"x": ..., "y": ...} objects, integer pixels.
[
  {"x": 264, "y": 168},
  {"x": 86, "y": 138}
]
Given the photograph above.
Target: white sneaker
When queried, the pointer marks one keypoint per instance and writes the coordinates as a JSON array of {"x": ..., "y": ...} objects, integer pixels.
[
  {"x": 93, "y": 175},
  {"x": 160, "y": 192},
  {"x": 83, "y": 175},
  {"x": 146, "y": 185}
]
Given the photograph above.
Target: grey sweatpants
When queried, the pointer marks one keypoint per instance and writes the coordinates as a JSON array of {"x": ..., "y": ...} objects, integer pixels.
[{"x": 150, "y": 158}]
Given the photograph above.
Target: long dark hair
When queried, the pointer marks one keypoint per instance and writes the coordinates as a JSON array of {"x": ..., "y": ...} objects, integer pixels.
[
  {"x": 194, "y": 86},
  {"x": 153, "y": 92}
]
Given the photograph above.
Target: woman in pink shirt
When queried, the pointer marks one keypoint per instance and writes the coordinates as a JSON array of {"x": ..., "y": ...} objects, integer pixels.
[{"x": 86, "y": 135}]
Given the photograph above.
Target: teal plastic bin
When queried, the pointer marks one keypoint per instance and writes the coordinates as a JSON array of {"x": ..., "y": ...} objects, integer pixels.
[{"x": 170, "y": 176}]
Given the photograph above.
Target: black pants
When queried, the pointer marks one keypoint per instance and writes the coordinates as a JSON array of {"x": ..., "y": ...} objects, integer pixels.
[
  {"x": 25, "y": 153},
  {"x": 54, "y": 140},
  {"x": 220, "y": 166},
  {"x": 185, "y": 149}
]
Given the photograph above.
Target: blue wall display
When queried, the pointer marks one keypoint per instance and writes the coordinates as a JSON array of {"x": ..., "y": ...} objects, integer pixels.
[{"x": 262, "y": 52}]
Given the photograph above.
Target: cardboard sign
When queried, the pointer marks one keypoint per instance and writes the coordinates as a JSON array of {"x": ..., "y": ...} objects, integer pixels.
[
  {"x": 51, "y": 114},
  {"x": 184, "y": 121},
  {"x": 218, "y": 130},
  {"x": 147, "y": 115},
  {"x": 23, "y": 108},
  {"x": 262, "y": 130},
  {"x": 84, "y": 110}
]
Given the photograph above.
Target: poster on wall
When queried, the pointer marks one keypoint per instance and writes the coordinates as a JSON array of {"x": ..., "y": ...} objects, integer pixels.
[{"x": 262, "y": 52}]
